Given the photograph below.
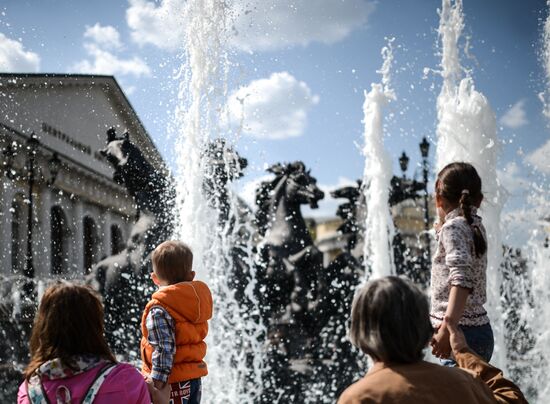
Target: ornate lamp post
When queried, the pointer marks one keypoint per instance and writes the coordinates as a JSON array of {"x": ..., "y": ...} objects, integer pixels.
[
  {"x": 403, "y": 188},
  {"x": 54, "y": 164}
]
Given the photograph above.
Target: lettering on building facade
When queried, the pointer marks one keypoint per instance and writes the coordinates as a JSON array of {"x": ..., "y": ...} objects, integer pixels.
[{"x": 58, "y": 134}]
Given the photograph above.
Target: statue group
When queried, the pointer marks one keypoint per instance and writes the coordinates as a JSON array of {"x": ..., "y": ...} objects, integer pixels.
[{"x": 303, "y": 304}]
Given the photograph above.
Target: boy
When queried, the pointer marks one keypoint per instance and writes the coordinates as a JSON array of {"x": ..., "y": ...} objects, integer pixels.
[{"x": 174, "y": 324}]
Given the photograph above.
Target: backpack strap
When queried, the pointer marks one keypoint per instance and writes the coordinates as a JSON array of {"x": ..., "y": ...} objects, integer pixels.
[
  {"x": 36, "y": 393},
  {"x": 96, "y": 384}
]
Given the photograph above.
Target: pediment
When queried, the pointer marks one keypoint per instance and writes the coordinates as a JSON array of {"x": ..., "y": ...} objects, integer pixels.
[{"x": 71, "y": 113}]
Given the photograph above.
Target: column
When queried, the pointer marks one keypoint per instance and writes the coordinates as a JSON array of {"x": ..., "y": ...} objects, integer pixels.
[
  {"x": 7, "y": 193},
  {"x": 106, "y": 232},
  {"x": 42, "y": 237},
  {"x": 78, "y": 239}
]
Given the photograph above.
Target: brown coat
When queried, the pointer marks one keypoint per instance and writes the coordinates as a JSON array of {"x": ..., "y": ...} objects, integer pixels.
[
  {"x": 504, "y": 390},
  {"x": 428, "y": 383}
]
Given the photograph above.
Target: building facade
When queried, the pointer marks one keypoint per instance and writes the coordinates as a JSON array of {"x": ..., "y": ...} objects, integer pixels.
[
  {"x": 408, "y": 219},
  {"x": 81, "y": 215}
]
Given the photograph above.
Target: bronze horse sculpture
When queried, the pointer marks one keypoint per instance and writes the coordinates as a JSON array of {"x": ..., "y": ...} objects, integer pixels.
[
  {"x": 302, "y": 303},
  {"x": 123, "y": 279},
  {"x": 287, "y": 259}
]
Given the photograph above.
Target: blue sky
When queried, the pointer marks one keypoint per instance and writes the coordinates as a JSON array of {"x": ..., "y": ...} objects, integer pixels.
[{"x": 320, "y": 54}]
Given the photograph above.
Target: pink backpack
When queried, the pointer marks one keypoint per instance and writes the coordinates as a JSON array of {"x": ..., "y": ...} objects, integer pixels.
[{"x": 37, "y": 395}]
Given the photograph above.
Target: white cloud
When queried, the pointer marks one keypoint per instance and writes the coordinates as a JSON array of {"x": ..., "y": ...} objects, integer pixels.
[
  {"x": 14, "y": 57},
  {"x": 515, "y": 117},
  {"x": 272, "y": 108},
  {"x": 254, "y": 24},
  {"x": 275, "y": 24},
  {"x": 540, "y": 158},
  {"x": 129, "y": 90},
  {"x": 161, "y": 25},
  {"x": 511, "y": 179},
  {"x": 105, "y": 36},
  {"x": 105, "y": 62}
]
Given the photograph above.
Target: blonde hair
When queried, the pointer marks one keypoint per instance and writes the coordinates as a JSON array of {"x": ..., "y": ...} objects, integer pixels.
[{"x": 172, "y": 261}]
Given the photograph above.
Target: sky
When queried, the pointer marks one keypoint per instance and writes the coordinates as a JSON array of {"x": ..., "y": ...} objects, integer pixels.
[{"x": 304, "y": 66}]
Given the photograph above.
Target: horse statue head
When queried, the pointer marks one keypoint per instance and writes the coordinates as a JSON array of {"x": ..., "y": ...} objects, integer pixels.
[
  {"x": 152, "y": 190},
  {"x": 279, "y": 200}
]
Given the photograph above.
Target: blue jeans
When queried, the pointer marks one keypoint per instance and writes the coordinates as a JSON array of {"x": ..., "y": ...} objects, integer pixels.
[
  {"x": 187, "y": 392},
  {"x": 480, "y": 339}
]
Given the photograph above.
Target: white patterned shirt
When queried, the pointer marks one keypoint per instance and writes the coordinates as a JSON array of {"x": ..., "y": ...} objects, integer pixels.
[{"x": 455, "y": 264}]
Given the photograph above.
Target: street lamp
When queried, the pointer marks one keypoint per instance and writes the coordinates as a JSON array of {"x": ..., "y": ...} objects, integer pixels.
[
  {"x": 54, "y": 165},
  {"x": 403, "y": 188}
]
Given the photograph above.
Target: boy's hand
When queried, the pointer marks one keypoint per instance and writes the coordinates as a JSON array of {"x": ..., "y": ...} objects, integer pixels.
[
  {"x": 159, "y": 385},
  {"x": 158, "y": 396},
  {"x": 441, "y": 346}
]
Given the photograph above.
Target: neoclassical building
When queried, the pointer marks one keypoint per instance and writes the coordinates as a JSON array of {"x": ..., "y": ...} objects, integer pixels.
[{"x": 81, "y": 215}]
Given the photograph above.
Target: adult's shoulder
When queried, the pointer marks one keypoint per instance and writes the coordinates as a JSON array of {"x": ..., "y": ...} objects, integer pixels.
[
  {"x": 358, "y": 392},
  {"x": 421, "y": 382},
  {"x": 367, "y": 389}
]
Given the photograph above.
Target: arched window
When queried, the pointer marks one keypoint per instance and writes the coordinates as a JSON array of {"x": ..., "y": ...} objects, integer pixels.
[
  {"x": 18, "y": 234},
  {"x": 59, "y": 241},
  {"x": 117, "y": 243},
  {"x": 91, "y": 242}
]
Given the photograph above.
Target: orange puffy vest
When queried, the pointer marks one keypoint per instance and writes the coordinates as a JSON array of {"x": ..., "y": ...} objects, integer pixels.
[{"x": 190, "y": 305}]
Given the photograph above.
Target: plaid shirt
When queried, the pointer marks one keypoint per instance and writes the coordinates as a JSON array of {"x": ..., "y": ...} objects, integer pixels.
[{"x": 161, "y": 329}]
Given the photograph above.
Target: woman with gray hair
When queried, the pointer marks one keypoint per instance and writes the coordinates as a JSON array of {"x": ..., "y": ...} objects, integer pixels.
[{"x": 390, "y": 323}]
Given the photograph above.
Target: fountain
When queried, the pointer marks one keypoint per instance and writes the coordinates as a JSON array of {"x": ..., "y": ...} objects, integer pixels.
[
  {"x": 279, "y": 324},
  {"x": 378, "y": 173},
  {"x": 529, "y": 281},
  {"x": 235, "y": 356},
  {"x": 517, "y": 280},
  {"x": 466, "y": 131}
]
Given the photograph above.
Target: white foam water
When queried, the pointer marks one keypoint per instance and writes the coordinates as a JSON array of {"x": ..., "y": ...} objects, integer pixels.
[
  {"x": 377, "y": 174},
  {"x": 466, "y": 131},
  {"x": 539, "y": 263},
  {"x": 545, "y": 58},
  {"x": 534, "y": 370},
  {"x": 235, "y": 355}
]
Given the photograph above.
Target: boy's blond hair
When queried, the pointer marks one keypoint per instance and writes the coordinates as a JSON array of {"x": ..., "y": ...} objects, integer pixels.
[{"x": 172, "y": 261}]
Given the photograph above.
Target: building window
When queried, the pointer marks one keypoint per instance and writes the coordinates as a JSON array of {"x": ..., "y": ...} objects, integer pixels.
[
  {"x": 117, "y": 243},
  {"x": 91, "y": 243},
  {"x": 59, "y": 241},
  {"x": 18, "y": 234}
]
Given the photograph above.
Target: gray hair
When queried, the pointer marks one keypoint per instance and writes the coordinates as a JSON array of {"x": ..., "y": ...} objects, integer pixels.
[{"x": 390, "y": 320}]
